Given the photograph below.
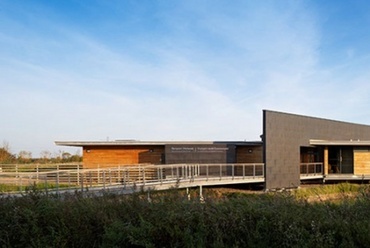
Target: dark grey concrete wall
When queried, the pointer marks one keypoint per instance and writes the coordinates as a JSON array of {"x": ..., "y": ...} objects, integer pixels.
[{"x": 283, "y": 136}]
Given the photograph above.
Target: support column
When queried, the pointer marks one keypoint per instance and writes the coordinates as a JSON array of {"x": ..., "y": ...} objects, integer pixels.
[{"x": 326, "y": 160}]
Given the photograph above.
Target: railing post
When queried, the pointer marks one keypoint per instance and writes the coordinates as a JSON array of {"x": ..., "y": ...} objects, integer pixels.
[
  {"x": 69, "y": 179},
  {"x": 220, "y": 172},
  {"x": 78, "y": 175},
  {"x": 37, "y": 173},
  {"x": 90, "y": 175},
  {"x": 103, "y": 179},
  {"x": 58, "y": 179},
  {"x": 232, "y": 170},
  {"x": 161, "y": 172},
  {"x": 207, "y": 170},
  {"x": 81, "y": 177},
  {"x": 110, "y": 177},
  {"x": 46, "y": 185},
  {"x": 143, "y": 175}
]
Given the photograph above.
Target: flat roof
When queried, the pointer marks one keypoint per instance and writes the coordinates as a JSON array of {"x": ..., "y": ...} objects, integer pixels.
[
  {"x": 162, "y": 143},
  {"x": 340, "y": 142}
]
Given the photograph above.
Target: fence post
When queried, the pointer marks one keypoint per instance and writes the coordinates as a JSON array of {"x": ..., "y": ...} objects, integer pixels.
[
  {"x": 46, "y": 185},
  {"x": 220, "y": 172},
  {"x": 58, "y": 179}
]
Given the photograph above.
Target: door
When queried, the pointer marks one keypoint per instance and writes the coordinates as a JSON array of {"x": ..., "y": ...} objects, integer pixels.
[{"x": 341, "y": 160}]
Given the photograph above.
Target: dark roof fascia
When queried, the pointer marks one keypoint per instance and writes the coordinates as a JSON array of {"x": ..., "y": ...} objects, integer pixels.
[
  {"x": 155, "y": 143},
  {"x": 340, "y": 142},
  {"x": 317, "y": 118}
]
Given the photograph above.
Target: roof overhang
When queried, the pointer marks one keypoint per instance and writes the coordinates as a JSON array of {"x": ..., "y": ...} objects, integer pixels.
[
  {"x": 154, "y": 143},
  {"x": 340, "y": 142}
]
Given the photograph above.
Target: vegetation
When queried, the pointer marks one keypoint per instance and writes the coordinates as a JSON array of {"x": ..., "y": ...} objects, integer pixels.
[
  {"x": 25, "y": 157},
  {"x": 170, "y": 219},
  {"x": 9, "y": 188}
]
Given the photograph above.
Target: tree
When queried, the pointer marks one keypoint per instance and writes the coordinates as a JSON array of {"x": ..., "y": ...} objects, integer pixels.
[
  {"x": 25, "y": 157},
  {"x": 45, "y": 156},
  {"x": 5, "y": 156}
]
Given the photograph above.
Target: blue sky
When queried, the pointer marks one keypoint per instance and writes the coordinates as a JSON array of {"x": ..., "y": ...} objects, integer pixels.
[{"x": 176, "y": 70}]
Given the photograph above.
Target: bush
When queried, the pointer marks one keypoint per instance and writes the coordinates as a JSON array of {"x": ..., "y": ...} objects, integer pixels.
[{"x": 169, "y": 219}]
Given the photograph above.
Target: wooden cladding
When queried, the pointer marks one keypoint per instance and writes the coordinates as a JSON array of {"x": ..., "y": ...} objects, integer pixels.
[
  {"x": 111, "y": 156},
  {"x": 108, "y": 156},
  {"x": 362, "y": 161},
  {"x": 249, "y": 154}
]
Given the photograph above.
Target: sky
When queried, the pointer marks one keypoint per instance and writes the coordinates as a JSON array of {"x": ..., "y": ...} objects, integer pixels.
[{"x": 166, "y": 70}]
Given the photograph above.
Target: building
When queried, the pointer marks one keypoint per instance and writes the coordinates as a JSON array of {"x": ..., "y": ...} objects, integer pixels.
[
  {"x": 293, "y": 148},
  {"x": 132, "y": 152}
]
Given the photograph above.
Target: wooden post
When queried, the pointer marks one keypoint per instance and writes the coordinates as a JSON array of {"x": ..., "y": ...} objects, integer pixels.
[{"x": 326, "y": 160}]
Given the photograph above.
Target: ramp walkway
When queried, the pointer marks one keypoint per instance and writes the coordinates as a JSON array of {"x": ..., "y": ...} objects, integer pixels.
[{"x": 127, "y": 179}]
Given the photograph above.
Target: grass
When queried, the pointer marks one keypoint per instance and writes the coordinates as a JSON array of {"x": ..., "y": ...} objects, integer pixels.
[
  {"x": 9, "y": 188},
  {"x": 170, "y": 219}
]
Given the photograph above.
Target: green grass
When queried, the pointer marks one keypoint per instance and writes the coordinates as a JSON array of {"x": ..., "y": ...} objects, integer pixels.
[
  {"x": 169, "y": 219},
  {"x": 9, "y": 188},
  {"x": 326, "y": 189}
]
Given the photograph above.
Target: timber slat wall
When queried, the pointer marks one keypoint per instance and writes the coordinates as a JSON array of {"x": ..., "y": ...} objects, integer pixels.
[
  {"x": 115, "y": 155},
  {"x": 361, "y": 158},
  {"x": 249, "y": 154}
]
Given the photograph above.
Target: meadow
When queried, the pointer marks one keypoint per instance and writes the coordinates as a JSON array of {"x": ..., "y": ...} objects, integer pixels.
[{"x": 171, "y": 219}]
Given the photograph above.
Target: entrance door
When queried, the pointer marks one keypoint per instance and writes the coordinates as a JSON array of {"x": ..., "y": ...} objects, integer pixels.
[{"x": 341, "y": 160}]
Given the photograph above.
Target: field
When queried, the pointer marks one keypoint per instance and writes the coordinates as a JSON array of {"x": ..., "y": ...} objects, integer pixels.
[{"x": 226, "y": 218}]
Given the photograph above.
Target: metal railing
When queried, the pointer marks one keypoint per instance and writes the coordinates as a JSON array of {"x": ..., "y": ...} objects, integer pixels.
[
  {"x": 62, "y": 176},
  {"x": 311, "y": 169}
]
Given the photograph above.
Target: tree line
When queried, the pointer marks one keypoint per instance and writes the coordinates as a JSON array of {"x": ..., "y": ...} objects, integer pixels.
[{"x": 25, "y": 157}]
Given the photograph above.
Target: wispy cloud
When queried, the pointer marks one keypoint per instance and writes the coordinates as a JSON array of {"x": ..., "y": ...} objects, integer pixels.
[{"x": 162, "y": 71}]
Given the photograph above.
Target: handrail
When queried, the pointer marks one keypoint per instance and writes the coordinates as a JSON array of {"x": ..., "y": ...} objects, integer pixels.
[
  {"x": 314, "y": 168},
  {"x": 174, "y": 174}
]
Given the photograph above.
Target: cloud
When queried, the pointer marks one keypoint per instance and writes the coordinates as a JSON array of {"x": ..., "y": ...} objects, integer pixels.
[{"x": 187, "y": 71}]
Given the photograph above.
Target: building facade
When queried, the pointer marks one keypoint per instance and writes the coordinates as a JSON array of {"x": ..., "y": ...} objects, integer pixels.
[{"x": 290, "y": 143}]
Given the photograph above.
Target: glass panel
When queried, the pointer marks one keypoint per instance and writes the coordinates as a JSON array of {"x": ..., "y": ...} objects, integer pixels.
[
  {"x": 341, "y": 160},
  {"x": 347, "y": 160}
]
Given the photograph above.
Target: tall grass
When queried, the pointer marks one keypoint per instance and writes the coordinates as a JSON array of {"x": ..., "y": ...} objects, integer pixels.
[{"x": 170, "y": 219}]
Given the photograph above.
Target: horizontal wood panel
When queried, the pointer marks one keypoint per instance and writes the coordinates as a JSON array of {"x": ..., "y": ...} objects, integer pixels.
[
  {"x": 249, "y": 154},
  {"x": 362, "y": 162},
  {"x": 112, "y": 156}
]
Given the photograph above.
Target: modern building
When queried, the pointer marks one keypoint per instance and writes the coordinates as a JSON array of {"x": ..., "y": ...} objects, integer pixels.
[{"x": 293, "y": 148}]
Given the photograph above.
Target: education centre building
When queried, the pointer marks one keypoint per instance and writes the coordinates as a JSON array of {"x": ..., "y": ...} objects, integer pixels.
[{"x": 292, "y": 148}]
